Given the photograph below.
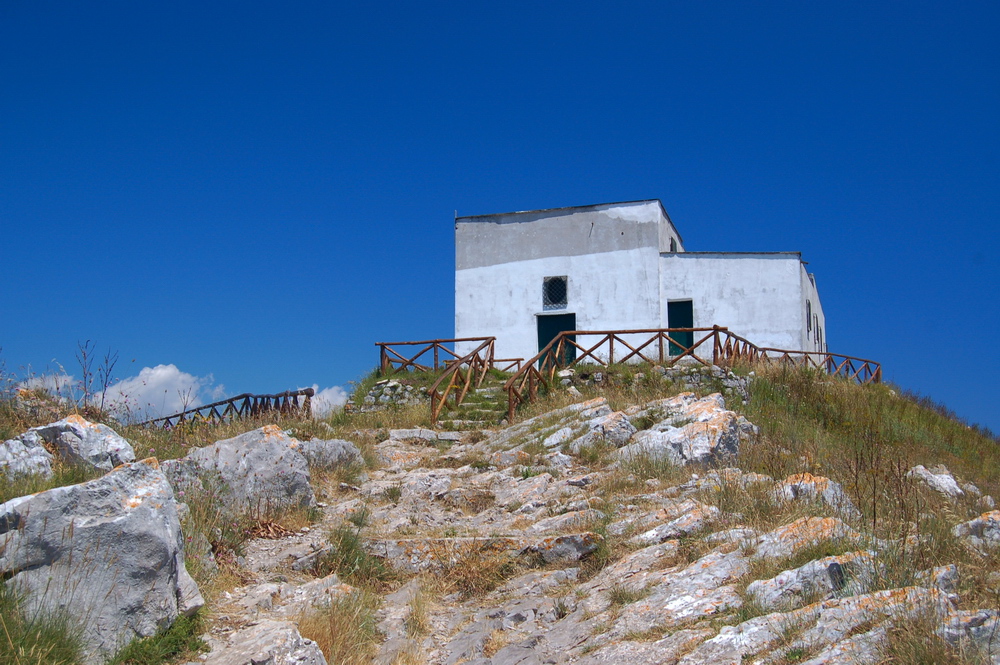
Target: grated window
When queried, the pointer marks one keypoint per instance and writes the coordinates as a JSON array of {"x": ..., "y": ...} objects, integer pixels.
[{"x": 555, "y": 291}]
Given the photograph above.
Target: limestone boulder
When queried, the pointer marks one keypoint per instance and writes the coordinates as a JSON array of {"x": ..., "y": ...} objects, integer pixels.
[
  {"x": 25, "y": 455},
  {"x": 938, "y": 479},
  {"x": 559, "y": 437},
  {"x": 802, "y": 533},
  {"x": 417, "y": 434},
  {"x": 266, "y": 642},
  {"x": 830, "y": 623},
  {"x": 691, "y": 521},
  {"x": 259, "y": 471},
  {"x": 330, "y": 453},
  {"x": 846, "y": 575},
  {"x": 109, "y": 552},
  {"x": 974, "y": 631},
  {"x": 695, "y": 431},
  {"x": 982, "y": 532},
  {"x": 614, "y": 428},
  {"x": 807, "y": 487},
  {"x": 74, "y": 439}
]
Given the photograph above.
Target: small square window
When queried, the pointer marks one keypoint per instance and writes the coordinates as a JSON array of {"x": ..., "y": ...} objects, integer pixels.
[{"x": 555, "y": 291}]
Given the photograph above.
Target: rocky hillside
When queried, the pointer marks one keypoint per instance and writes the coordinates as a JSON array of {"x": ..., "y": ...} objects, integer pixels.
[{"x": 646, "y": 524}]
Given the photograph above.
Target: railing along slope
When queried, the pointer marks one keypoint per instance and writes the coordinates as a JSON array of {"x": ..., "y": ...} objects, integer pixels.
[
  {"x": 668, "y": 346},
  {"x": 246, "y": 405},
  {"x": 460, "y": 373}
]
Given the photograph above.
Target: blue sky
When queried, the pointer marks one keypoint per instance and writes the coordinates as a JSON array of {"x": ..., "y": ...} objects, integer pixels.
[{"x": 256, "y": 192}]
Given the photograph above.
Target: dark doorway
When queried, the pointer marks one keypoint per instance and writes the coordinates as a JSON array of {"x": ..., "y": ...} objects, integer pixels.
[
  {"x": 680, "y": 314},
  {"x": 550, "y": 326}
]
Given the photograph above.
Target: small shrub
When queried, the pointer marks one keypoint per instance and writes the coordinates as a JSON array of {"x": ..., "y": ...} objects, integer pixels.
[
  {"x": 480, "y": 571},
  {"x": 180, "y": 639},
  {"x": 349, "y": 559},
  {"x": 359, "y": 518},
  {"x": 393, "y": 493}
]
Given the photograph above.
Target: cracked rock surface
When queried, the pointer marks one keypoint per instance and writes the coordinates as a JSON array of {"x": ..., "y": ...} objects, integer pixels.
[{"x": 525, "y": 547}]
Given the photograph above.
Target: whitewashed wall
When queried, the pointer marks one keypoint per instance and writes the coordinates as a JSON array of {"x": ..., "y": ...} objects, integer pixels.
[
  {"x": 810, "y": 295},
  {"x": 607, "y": 291},
  {"x": 757, "y": 296},
  {"x": 619, "y": 278}
]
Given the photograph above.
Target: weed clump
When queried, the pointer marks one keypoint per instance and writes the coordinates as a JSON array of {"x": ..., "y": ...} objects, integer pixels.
[
  {"x": 345, "y": 631},
  {"x": 40, "y": 638},
  {"x": 180, "y": 639},
  {"x": 351, "y": 562}
]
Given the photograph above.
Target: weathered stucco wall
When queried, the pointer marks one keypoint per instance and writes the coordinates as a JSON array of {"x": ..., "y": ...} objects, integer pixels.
[
  {"x": 621, "y": 275},
  {"x": 757, "y": 296},
  {"x": 813, "y": 321},
  {"x": 609, "y": 253},
  {"x": 487, "y": 240},
  {"x": 607, "y": 291}
]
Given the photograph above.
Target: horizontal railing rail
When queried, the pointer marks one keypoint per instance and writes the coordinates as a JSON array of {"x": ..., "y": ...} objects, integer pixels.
[
  {"x": 392, "y": 360},
  {"x": 242, "y": 406},
  {"x": 667, "y": 346},
  {"x": 507, "y": 364},
  {"x": 461, "y": 373}
]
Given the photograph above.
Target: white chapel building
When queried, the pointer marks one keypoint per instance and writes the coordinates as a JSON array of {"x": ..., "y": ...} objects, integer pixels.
[{"x": 523, "y": 277}]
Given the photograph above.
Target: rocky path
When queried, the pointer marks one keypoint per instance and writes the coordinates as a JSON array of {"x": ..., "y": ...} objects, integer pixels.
[{"x": 561, "y": 540}]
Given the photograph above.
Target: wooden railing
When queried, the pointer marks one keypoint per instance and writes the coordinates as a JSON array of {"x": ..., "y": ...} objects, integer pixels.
[
  {"x": 461, "y": 373},
  {"x": 465, "y": 373},
  {"x": 392, "y": 360},
  {"x": 667, "y": 347},
  {"x": 243, "y": 406}
]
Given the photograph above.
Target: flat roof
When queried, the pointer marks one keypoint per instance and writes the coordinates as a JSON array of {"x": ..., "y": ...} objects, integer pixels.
[
  {"x": 592, "y": 206},
  {"x": 584, "y": 207},
  {"x": 733, "y": 253}
]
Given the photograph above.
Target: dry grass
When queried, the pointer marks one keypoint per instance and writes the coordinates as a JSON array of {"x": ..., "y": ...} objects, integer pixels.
[
  {"x": 480, "y": 571},
  {"x": 225, "y": 533},
  {"x": 913, "y": 642},
  {"x": 851, "y": 433},
  {"x": 346, "y": 630},
  {"x": 43, "y": 639},
  {"x": 418, "y": 621},
  {"x": 867, "y": 438},
  {"x": 349, "y": 559},
  {"x": 62, "y": 474}
]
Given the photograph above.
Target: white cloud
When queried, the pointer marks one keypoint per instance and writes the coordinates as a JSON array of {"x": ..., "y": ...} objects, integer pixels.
[
  {"x": 60, "y": 385},
  {"x": 327, "y": 400},
  {"x": 159, "y": 391}
]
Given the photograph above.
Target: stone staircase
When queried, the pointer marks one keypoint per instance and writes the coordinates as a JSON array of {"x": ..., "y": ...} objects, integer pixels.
[{"x": 483, "y": 407}]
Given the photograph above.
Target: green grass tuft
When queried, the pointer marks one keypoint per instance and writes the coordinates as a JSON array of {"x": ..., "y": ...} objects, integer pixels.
[
  {"x": 179, "y": 640},
  {"x": 42, "y": 639}
]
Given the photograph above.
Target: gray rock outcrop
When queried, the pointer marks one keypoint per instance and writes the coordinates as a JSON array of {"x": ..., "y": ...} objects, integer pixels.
[
  {"x": 108, "y": 552},
  {"x": 75, "y": 439},
  {"x": 258, "y": 472},
  {"x": 690, "y": 431},
  {"x": 24, "y": 455},
  {"x": 981, "y": 532},
  {"x": 329, "y": 453},
  {"x": 265, "y": 643},
  {"x": 847, "y": 574},
  {"x": 938, "y": 479}
]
